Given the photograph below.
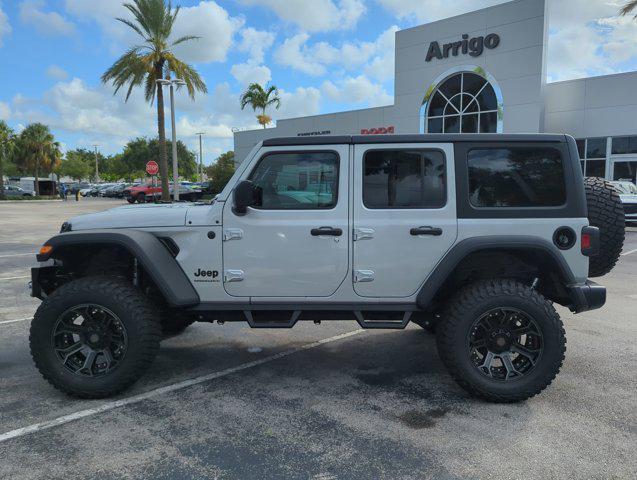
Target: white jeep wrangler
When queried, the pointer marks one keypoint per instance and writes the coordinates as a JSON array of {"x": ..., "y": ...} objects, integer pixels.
[{"x": 473, "y": 236}]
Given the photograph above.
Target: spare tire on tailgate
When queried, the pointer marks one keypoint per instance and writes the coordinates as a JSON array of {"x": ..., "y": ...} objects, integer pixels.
[{"x": 605, "y": 211}]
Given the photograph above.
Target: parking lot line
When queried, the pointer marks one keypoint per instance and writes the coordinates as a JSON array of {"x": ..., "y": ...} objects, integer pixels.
[
  {"x": 18, "y": 255},
  {"x": 36, "y": 427},
  {"x": 14, "y": 278},
  {"x": 4, "y": 322},
  {"x": 629, "y": 252}
]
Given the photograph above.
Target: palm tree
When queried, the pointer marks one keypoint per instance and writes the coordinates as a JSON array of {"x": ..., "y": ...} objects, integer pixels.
[
  {"x": 257, "y": 97},
  {"x": 7, "y": 145},
  {"x": 628, "y": 8},
  {"x": 38, "y": 151},
  {"x": 151, "y": 61}
]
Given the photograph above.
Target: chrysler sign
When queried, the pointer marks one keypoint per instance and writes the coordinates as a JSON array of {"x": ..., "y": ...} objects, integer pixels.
[{"x": 472, "y": 46}]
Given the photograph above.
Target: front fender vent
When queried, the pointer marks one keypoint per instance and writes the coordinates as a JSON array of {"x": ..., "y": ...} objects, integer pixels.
[{"x": 170, "y": 245}]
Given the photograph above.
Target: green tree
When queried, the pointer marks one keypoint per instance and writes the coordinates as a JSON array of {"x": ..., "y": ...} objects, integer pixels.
[
  {"x": 259, "y": 98},
  {"x": 220, "y": 171},
  {"x": 141, "y": 150},
  {"x": 628, "y": 8},
  {"x": 38, "y": 151},
  {"x": 151, "y": 61},
  {"x": 113, "y": 169},
  {"x": 75, "y": 165},
  {"x": 186, "y": 160},
  {"x": 7, "y": 147}
]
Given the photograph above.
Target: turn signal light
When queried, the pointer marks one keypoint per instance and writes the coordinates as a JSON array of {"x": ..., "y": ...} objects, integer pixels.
[{"x": 45, "y": 249}]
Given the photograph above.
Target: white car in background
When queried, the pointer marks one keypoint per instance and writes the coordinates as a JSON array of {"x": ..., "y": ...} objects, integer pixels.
[{"x": 628, "y": 195}]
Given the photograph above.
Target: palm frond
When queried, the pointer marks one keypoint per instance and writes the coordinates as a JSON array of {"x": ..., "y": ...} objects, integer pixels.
[
  {"x": 628, "y": 8},
  {"x": 185, "y": 39}
]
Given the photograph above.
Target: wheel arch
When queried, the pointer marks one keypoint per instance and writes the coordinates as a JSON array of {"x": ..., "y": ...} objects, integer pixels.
[
  {"x": 153, "y": 255},
  {"x": 519, "y": 257}
]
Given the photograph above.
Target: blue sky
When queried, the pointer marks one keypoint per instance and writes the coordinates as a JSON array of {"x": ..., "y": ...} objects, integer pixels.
[{"x": 324, "y": 55}]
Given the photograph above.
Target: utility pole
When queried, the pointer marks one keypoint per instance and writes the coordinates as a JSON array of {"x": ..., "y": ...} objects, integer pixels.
[
  {"x": 97, "y": 170},
  {"x": 200, "y": 157},
  {"x": 172, "y": 83}
]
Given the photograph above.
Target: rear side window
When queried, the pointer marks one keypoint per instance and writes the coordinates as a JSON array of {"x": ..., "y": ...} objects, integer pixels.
[
  {"x": 404, "y": 179},
  {"x": 516, "y": 177}
]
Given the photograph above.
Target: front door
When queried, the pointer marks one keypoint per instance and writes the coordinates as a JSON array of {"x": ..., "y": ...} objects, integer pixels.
[
  {"x": 404, "y": 216},
  {"x": 295, "y": 242}
]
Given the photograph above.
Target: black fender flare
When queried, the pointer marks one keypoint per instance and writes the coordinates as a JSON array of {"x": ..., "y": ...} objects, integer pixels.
[
  {"x": 468, "y": 246},
  {"x": 149, "y": 251}
]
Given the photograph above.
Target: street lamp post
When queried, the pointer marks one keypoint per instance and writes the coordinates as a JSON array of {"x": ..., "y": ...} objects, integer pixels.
[
  {"x": 200, "y": 157},
  {"x": 97, "y": 171},
  {"x": 172, "y": 84}
]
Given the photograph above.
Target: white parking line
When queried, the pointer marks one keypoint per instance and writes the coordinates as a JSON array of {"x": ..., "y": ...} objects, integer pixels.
[
  {"x": 4, "y": 322},
  {"x": 629, "y": 252},
  {"x": 36, "y": 427},
  {"x": 14, "y": 278},
  {"x": 18, "y": 255}
]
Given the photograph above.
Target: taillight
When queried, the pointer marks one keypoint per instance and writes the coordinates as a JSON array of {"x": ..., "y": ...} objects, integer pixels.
[
  {"x": 586, "y": 241},
  {"x": 589, "y": 240}
]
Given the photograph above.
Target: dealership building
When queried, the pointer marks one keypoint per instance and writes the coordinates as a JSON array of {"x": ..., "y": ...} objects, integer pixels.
[{"x": 485, "y": 71}]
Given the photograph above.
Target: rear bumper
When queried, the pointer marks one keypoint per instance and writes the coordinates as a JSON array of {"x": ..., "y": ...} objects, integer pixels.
[{"x": 587, "y": 296}]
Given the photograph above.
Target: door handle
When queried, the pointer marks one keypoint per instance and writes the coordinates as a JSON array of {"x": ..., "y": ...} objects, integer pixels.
[
  {"x": 435, "y": 231},
  {"x": 334, "y": 232}
]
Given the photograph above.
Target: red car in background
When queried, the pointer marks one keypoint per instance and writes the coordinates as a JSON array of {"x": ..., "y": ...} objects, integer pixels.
[{"x": 149, "y": 193}]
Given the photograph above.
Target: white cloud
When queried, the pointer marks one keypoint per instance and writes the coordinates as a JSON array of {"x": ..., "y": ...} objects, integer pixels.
[
  {"x": 5, "y": 111},
  {"x": 215, "y": 27},
  {"x": 315, "y": 15},
  {"x": 356, "y": 90},
  {"x": 47, "y": 23},
  {"x": 206, "y": 19},
  {"x": 5, "y": 26},
  {"x": 419, "y": 11},
  {"x": 299, "y": 103},
  {"x": 56, "y": 73},
  {"x": 256, "y": 43},
  {"x": 374, "y": 58},
  {"x": 247, "y": 73}
]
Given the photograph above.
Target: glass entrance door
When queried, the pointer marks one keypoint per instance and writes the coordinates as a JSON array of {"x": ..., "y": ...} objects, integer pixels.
[{"x": 625, "y": 169}]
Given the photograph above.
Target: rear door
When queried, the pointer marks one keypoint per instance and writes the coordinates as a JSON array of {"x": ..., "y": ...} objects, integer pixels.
[
  {"x": 295, "y": 243},
  {"x": 404, "y": 215}
]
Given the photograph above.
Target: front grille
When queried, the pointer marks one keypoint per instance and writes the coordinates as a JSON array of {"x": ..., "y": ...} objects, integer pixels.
[{"x": 630, "y": 208}]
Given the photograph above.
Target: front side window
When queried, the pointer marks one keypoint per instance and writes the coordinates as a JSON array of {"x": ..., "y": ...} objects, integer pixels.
[
  {"x": 404, "y": 179},
  {"x": 297, "y": 180},
  {"x": 516, "y": 177}
]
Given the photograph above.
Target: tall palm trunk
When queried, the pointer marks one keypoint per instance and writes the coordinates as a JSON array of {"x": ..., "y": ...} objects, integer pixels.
[
  {"x": 161, "y": 129},
  {"x": 2, "y": 150}
]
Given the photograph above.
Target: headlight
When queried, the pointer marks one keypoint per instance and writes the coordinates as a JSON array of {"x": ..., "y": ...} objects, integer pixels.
[{"x": 66, "y": 227}]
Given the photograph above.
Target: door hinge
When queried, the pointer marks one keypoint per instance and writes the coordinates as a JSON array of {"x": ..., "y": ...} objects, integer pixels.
[
  {"x": 362, "y": 276},
  {"x": 363, "y": 233},
  {"x": 232, "y": 234},
  {"x": 232, "y": 276}
]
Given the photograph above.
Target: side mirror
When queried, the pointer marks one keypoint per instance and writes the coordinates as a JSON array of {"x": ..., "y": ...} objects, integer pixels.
[{"x": 244, "y": 195}]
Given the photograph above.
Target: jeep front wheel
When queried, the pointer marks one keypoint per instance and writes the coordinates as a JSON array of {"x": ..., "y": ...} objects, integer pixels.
[
  {"x": 94, "y": 337},
  {"x": 501, "y": 340}
]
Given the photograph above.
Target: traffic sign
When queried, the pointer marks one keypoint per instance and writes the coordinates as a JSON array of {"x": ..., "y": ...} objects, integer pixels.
[{"x": 152, "y": 168}]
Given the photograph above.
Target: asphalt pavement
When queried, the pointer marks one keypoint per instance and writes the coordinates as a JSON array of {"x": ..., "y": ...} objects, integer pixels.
[{"x": 319, "y": 402}]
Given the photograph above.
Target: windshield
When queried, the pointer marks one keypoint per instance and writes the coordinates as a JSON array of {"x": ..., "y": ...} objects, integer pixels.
[{"x": 626, "y": 188}]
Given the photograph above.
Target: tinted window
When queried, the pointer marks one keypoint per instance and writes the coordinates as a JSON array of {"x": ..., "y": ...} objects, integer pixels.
[
  {"x": 596, "y": 148},
  {"x": 624, "y": 145},
  {"x": 516, "y": 177},
  {"x": 299, "y": 180},
  {"x": 625, "y": 171},
  {"x": 581, "y": 144},
  {"x": 404, "y": 179}
]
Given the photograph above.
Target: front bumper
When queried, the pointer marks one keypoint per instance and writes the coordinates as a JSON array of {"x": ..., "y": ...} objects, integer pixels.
[{"x": 587, "y": 296}]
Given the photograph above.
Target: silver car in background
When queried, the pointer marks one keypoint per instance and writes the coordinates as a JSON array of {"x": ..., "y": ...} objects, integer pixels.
[{"x": 628, "y": 195}]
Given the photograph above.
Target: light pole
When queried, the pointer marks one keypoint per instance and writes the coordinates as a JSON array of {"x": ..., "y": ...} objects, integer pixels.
[
  {"x": 97, "y": 170},
  {"x": 172, "y": 84},
  {"x": 200, "y": 158}
]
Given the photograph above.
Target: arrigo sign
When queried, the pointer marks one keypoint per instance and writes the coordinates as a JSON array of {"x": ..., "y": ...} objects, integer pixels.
[{"x": 472, "y": 46}]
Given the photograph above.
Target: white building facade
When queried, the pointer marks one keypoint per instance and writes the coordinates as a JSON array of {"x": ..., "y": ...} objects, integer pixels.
[{"x": 485, "y": 72}]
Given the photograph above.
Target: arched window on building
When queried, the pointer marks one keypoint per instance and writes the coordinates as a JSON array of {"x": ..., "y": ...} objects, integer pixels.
[{"x": 464, "y": 102}]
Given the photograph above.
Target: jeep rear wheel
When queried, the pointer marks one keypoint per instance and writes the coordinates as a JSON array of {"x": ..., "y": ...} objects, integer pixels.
[
  {"x": 605, "y": 211},
  {"x": 94, "y": 337},
  {"x": 501, "y": 341}
]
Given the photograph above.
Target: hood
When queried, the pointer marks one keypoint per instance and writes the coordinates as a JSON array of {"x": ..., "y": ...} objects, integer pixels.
[
  {"x": 628, "y": 198},
  {"x": 134, "y": 216}
]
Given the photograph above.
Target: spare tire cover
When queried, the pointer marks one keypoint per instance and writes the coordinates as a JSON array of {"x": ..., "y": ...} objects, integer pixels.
[{"x": 605, "y": 211}]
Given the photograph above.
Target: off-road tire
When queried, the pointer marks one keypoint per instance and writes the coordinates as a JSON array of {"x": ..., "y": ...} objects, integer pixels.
[
  {"x": 141, "y": 198},
  {"x": 475, "y": 300},
  {"x": 605, "y": 211},
  {"x": 133, "y": 309},
  {"x": 130, "y": 199},
  {"x": 174, "y": 323}
]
